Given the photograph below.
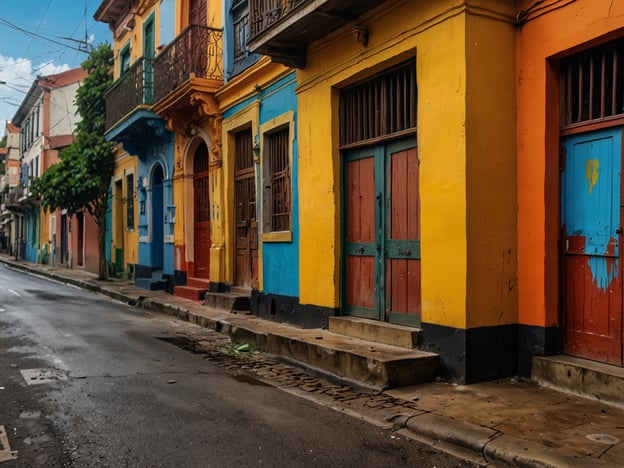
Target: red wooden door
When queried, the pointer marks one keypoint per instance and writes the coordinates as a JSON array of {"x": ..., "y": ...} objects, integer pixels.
[
  {"x": 202, "y": 213},
  {"x": 360, "y": 262},
  {"x": 382, "y": 233},
  {"x": 246, "y": 239},
  {"x": 591, "y": 193},
  {"x": 402, "y": 243}
]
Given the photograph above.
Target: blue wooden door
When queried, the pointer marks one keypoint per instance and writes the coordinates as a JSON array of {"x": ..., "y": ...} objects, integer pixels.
[{"x": 591, "y": 227}]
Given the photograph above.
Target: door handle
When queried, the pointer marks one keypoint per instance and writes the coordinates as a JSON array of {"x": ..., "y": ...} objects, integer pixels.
[
  {"x": 360, "y": 250},
  {"x": 618, "y": 231}
]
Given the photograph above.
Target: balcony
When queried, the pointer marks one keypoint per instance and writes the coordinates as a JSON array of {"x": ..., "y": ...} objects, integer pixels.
[
  {"x": 133, "y": 89},
  {"x": 195, "y": 53},
  {"x": 188, "y": 73},
  {"x": 283, "y": 29},
  {"x": 15, "y": 195}
]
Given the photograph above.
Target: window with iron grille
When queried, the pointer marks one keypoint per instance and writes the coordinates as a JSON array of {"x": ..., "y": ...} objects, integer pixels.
[
  {"x": 380, "y": 107},
  {"x": 592, "y": 85},
  {"x": 130, "y": 202},
  {"x": 240, "y": 18},
  {"x": 277, "y": 180}
]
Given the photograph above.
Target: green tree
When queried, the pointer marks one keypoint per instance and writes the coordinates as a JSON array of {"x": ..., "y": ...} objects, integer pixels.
[{"x": 81, "y": 178}]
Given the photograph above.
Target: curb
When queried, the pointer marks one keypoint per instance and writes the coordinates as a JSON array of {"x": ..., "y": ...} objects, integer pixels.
[{"x": 478, "y": 444}]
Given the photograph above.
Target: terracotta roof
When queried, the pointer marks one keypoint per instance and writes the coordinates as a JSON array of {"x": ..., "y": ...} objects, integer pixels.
[
  {"x": 60, "y": 141},
  {"x": 62, "y": 79},
  {"x": 12, "y": 128}
]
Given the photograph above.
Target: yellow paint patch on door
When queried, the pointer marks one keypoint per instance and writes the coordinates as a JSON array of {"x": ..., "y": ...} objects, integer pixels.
[{"x": 592, "y": 171}]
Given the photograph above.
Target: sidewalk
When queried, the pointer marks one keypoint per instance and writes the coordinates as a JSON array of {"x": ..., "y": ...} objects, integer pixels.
[{"x": 505, "y": 423}]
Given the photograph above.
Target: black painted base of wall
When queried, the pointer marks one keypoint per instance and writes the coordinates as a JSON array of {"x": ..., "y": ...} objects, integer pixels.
[
  {"x": 473, "y": 355},
  {"x": 179, "y": 278},
  {"x": 219, "y": 287},
  {"x": 536, "y": 341},
  {"x": 142, "y": 271},
  {"x": 286, "y": 309}
]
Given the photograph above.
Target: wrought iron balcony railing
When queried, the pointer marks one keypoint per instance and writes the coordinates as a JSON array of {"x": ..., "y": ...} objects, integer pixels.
[
  {"x": 15, "y": 193},
  {"x": 134, "y": 88},
  {"x": 265, "y": 13},
  {"x": 196, "y": 52},
  {"x": 283, "y": 29}
]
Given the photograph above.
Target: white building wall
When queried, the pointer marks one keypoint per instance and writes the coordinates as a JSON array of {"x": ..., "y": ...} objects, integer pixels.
[{"x": 63, "y": 116}]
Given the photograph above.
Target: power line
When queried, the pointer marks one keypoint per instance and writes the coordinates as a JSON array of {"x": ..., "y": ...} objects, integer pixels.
[{"x": 32, "y": 34}]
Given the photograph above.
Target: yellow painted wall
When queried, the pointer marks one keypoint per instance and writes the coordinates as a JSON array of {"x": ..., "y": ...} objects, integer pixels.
[
  {"x": 135, "y": 36},
  {"x": 491, "y": 183},
  {"x": 125, "y": 164},
  {"x": 437, "y": 34}
]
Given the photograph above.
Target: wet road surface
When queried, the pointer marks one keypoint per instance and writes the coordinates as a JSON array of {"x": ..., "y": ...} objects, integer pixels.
[{"x": 89, "y": 382}]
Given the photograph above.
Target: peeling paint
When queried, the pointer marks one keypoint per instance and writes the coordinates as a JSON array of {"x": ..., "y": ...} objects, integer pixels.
[{"x": 603, "y": 271}]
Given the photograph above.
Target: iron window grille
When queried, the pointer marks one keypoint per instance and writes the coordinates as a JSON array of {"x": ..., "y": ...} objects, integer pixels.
[{"x": 592, "y": 84}]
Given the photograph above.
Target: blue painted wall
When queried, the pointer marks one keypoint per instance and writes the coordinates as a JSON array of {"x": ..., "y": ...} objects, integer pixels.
[
  {"x": 167, "y": 21},
  {"x": 280, "y": 260},
  {"x": 232, "y": 68},
  {"x": 162, "y": 154},
  {"x": 31, "y": 233}
]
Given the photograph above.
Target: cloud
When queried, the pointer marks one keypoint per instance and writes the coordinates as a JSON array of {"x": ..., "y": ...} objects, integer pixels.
[{"x": 18, "y": 75}]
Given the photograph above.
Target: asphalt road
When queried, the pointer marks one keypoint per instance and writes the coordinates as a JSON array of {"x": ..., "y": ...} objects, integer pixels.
[{"x": 85, "y": 382}]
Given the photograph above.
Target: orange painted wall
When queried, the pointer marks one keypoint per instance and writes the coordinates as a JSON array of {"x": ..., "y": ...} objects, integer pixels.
[{"x": 552, "y": 31}]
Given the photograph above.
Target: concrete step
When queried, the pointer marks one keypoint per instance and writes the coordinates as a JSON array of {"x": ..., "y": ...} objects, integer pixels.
[
  {"x": 150, "y": 284},
  {"x": 376, "y": 331},
  {"x": 195, "y": 289},
  {"x": 580, "y": 376},
  {"x": 190, "y": 292},
  {"x": 366, "y": 363},
  {"x": 200, "y": 283},
  {"x": 227, "y": 301}
]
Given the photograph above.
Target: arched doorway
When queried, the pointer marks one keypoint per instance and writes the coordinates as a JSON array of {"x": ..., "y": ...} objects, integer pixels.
[
  {"x": 201, "y": 212},
  {"x": 157, "y": 218}
]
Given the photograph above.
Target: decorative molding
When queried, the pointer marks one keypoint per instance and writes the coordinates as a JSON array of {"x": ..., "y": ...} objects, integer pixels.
[{"x": 208, "y": 107}]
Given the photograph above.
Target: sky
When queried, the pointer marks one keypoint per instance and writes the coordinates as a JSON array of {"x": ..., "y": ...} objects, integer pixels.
[{"x": 42, "y": 37}]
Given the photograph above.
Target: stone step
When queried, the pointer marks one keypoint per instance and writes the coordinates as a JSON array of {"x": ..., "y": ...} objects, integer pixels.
[
  {"x": 370, "y": 364},
  {"x": 376, "y": 331},
  {"x": 200, "y": 283},
  {"x": 586, "y": 378},
  {"x": 150, "y": 284},
  {"x": 227, "y": 301},
  {"x": 190, "y": 292}
]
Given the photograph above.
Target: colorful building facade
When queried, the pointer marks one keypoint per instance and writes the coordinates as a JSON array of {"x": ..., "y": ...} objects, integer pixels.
[
  {"x": 393, "y": 162},
  {"x": 404, "y": 132},
  {"x": 47, "y": 118},
  {"x": 570, "y": 92},
  {"x": 139, "y": 241},
  {"x": 10, "y": 215}
]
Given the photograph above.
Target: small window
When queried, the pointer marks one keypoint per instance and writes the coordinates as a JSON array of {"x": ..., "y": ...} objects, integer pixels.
[
  {"x": 380, "y": 107},
  {"x": 277, "y": 137},
  {"x": 130, "y": 201},
  {"x": 124, "y": 59},
  {"x": 240, "y": 19},
  {"x": 592, "y": 84}
]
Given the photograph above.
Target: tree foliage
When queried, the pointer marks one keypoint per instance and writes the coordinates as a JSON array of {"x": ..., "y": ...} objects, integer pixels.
[{"x": 81, "y": 179}]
